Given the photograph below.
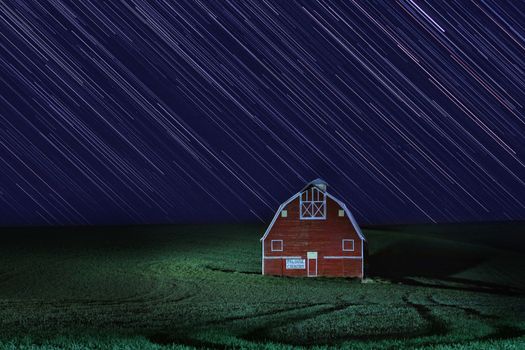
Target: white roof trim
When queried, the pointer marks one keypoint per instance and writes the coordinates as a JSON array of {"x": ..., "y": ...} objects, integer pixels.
[
  {"x": 277, "y": 214},
  {"x": 350, "y": 216},
  {"x": 347, "y": 211}
]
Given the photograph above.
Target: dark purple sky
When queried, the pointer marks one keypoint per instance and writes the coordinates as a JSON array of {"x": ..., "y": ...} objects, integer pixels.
[{"x": 131, "y": 112}]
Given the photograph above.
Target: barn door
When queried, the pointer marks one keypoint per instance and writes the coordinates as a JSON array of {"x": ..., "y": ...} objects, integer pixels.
[{"x": 312, "y": 264}]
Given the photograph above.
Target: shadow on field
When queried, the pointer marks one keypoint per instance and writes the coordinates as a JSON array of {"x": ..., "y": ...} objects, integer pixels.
[
  {"x": 218, "y": 269},
  {"x": 437, "y": 260},
  {"x": 408, "y": 258},
  {"x": 507, "y": 235},
  {"x": 116, "y": 238},
  {"x": 70, "y": 238}
]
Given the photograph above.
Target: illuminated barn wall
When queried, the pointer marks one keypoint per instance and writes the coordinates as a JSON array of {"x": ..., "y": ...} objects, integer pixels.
[{"x": 297, "y": 246}]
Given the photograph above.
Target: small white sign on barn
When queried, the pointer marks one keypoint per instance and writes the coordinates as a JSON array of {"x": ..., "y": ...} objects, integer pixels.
[{"x": 295, "y": 264}]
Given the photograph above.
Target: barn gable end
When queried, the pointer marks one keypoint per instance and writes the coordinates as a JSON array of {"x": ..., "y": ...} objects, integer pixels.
[{"x": 318, "y": 236}]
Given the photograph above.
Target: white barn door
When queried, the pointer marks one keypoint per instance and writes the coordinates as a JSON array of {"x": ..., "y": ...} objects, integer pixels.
[{"x": 312, "y": 264}]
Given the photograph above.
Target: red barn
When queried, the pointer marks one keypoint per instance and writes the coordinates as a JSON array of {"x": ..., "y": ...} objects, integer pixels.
[{"x": 313, "y": 234}]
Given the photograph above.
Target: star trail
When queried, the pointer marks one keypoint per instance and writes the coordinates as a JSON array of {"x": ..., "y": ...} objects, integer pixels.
[{"x": 140, "y": 112}]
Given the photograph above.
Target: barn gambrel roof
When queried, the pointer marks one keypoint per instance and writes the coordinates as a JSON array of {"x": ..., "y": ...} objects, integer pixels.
[{"x": 341, "y": 204}]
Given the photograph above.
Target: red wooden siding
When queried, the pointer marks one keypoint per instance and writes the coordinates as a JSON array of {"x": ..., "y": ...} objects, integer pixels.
[{"x": 321, "y": 236}]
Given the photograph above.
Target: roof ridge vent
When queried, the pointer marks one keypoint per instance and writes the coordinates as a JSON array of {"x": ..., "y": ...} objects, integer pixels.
[{"x": 319, "y": 183}]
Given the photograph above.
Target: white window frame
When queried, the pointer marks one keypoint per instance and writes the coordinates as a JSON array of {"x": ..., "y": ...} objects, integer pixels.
[
  {"x": 284, "y": 213},
  {"x": 309, "y": 202},
  {"x": 277, "y": 240},
  {"x": 353, "y": 245},
  {"x": 341, "y": 213}
]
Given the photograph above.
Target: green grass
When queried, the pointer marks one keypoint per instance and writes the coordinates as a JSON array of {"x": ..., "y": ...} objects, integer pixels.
[{"x": 171, "y": 287}]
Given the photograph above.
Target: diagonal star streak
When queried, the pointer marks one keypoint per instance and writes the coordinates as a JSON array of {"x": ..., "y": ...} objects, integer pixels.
[{"x": 189, "y": 111}]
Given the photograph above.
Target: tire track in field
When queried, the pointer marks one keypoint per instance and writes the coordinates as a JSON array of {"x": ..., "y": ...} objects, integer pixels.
[
  {"x": 334, "y": 307},
  {"x": 504, "y": 332},
  {"x": 258, "y": 334},
  {"x": 501, "y": 331},
  {"x": 51, "y": 265},
  {"x": 434, "y": 326},
  {"x": 467, "y": 286},
  {"x": 6, "y": 276},
  {"x": 157, "y": 293},
  {"x": 138, "y": 299},
  {"x": 263, "y": 314},
  {"x": 471, "y": 311},
  {"x": 154, "y": 296},
  {"x": 169, "y": 339},
  {"x": 225, "y": 270}
]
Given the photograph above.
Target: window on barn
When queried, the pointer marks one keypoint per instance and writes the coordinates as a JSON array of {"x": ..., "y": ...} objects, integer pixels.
[
  {"x": 313, "y": 204},
  {"x": 277, "y": 245},
  {"x": 284, "y": 213},
  {"x": 348, "y": 245},
  {"x": 341, "y": 212}
]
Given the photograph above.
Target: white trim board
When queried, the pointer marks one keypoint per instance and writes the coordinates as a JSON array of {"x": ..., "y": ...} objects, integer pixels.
[
  {"x": 262, "y": 260},
  {"x": 363, "y": 262},
  {"x": 275, "y": 249},
  {"x": 343, "y": 245},
  {"x": 308, "y": 259}
]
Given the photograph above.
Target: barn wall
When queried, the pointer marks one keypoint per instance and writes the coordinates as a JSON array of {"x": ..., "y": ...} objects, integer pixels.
[
  {"x": 321, "y": 236},
  {"x": 352, "y": 268}
]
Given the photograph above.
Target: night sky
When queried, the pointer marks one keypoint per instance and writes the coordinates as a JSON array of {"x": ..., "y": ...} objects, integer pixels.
[{"x": 132, "y": 112}]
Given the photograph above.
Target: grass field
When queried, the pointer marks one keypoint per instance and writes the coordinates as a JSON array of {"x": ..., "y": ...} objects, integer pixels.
[{"x": 430, "y": 287}]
